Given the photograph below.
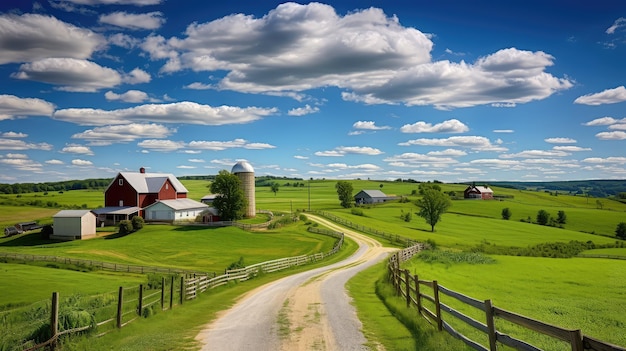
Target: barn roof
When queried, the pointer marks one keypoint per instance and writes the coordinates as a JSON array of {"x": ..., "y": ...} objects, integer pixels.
[
  {"x": 120, "y": 210},
  {"x": 180, "y": 204},
  {"x": 372, "y": 193},
  {"x": 71, "y": 213},
  {"x": 147, "y": 183}
]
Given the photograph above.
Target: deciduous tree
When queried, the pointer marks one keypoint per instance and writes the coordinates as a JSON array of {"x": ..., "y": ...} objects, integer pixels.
[
  {"x": 230, "y": 200},
  {"x": 506, "y": 213},
  {"x": 344, "y": 191},
  {"x": 620, "y": 231},
  {"x": 274, "y": 187},
  {"x": 432, "y": 205},
  {"x": 543, "y": 217}
]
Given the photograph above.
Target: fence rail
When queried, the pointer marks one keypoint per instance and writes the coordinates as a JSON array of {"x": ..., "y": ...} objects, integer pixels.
[{"x": 409, "y": 287}]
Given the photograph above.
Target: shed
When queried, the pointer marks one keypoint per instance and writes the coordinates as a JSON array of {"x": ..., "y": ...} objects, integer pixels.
[
  {"x": 370, "y": 197},
  {"x": 74, "y": 225},
  {"x": 174, "y": 210}
]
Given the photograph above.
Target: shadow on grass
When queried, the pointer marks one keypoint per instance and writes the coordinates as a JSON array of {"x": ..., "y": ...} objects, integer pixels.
[{"x": 28, "y": 239}]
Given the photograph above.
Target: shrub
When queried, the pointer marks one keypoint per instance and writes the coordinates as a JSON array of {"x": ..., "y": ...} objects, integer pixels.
[
  {"x": 506, "y": 213},
  {"x": 357, "y": 212},
  {"x": 620, "y": 231},
  {"x": 138, "y": 223},
  {"x": 543, "y": 217},
  {"x": 406, "y": 216},
  {"x": 237, "y": 264},
  {"x": 125, "y": 227},
  {"x": 561, "y": 217}
]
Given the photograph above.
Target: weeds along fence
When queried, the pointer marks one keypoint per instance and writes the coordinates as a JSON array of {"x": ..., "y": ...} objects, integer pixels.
[
  {"x": 40, "y": 325},
  {"x": 465, "y": 319},
  {"x": 392, "y": 238}
]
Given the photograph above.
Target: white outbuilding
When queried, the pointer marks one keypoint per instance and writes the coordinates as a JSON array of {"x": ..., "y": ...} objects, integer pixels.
[
  {"x": 185, "y": 210},
  {"x": 74, "y": 225}
]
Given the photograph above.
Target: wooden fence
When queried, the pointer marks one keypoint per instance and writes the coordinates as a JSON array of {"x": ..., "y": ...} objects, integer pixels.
[
  {"x": 417, "y": 291},
  {"x": 132, "y": 303}
]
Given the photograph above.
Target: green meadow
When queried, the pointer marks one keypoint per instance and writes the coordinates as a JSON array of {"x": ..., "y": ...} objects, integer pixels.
[{"x": 573, "y": 293}]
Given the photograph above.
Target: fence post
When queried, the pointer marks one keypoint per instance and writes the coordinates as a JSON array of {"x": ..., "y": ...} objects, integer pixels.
[
  {"x": 162, "y": 293},
  {"x": 491, "y": 326},
  {"x": 418, "y": 298},
  {"x": 120, "y": 302},
  {"x": 172, "y": 293},
  {"x": 408, "y": 288},
  {"x": 576, "y": 339},
  {"x": 182, "y": 289},
  {"x": 140, "y": 306},
  {"x": 437, "y": 305},
  {"x": 54, "y": 319}
]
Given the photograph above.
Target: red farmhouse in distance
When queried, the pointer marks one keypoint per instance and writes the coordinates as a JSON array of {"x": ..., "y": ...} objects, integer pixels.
[
  {"x": 131, "y": 189},
  {"x": 478, "y": 192}
]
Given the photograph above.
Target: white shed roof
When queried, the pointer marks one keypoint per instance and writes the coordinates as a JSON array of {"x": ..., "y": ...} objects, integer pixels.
[
  {"x": 180, "y": 204},
  {"x": 72, "y": 213}
]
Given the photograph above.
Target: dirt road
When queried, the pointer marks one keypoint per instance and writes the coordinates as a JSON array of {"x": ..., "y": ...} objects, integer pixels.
[{"x": 306, "y": 311}]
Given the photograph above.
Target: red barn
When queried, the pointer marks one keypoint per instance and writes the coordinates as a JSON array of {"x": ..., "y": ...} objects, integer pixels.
[
  {"x": 478, "y": 192},
  {"x": 131, "y": 189}
]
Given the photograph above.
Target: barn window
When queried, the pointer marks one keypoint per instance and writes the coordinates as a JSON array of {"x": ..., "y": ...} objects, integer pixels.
[
  {"x": 167, "y": 186},
  {"x": 120, "y": 182}
]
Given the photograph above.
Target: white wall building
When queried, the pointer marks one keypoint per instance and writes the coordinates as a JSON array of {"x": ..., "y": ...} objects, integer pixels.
[
  {"x": 74, "y": 225},
  {"x": 174, "y": 210}
]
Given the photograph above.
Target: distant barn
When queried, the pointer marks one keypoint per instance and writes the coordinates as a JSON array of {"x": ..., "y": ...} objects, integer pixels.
[
  {"x": 478, "y": 192},
  {"x": 366, "y": 197}
]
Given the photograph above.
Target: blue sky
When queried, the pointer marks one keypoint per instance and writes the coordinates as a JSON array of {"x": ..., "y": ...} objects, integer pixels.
[{"x": 461, "y": 91}]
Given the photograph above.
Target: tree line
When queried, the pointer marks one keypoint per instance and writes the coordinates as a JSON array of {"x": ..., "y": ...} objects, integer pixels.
[{"x": 21, "y": 188}]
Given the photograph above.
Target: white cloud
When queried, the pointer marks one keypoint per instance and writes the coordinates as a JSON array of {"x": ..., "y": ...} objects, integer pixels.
[
  {"x": 199, "y": 86},
  {"x": 604, "y": 121},
  {"x": 81, "y": 163},
  {"x": 301, "y": 111},
  {"x": 490, "y": 162},
  {"x": 71, "y": 74},
  {"x": 32, "y": 37},
  {"x": 571, "y": 148},
  {"x": 161, "y": 145},
  {"x": 133, "y": 96},
  {"x": 20, "y": 162},
  {"x": 536, "y": 154},
  {"x": 503, "y": 131},
  {"x": 186, "y": 167},
  {"x": 77, "y": 149},
  {"x": 449, "y": 126},
  {"x": 196, "y": 160},
  {"x": 616, "y": 135},
  {"x": 12, "y": 144},
  {"x": 223, "y": 145},
  {"x": 500, "y": 104},
  {"x": 137, "y": 76},
  {"x": 301, "y": 157},
  {"x": 54, "y": 162},
  {"x": 124, "y": 40},
  {"x": 448, "y": 152},
  {"x": 411, "y": 159},
  {"x": 620, "y": 126},
  {"x": 560, "y": 140},
  {"x": 599, "y": 160},
  {"x": 368, "y": 125},
  {"x": 107, "y": 135},
  {"x": 618, "y": 24},
  {"x": 344, "y": 150},
  {"x": 12, "y": 106},
  {"x": 179, "y": 112},
  {"x": 472, "y": 142},
  {"x": 149, "y": 21},
  {"x": 14, "y": 135},
  {"x": 609, "y": 96}
]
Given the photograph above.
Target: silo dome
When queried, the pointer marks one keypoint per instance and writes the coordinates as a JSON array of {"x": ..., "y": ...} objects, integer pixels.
[{"x": 242, "y": 167}]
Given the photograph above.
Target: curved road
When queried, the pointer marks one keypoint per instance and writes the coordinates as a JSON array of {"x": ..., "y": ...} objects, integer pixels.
[{"x": 306, "y": 311}]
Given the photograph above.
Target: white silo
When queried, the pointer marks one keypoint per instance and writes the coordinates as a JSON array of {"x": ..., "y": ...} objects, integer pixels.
[{"x": 245, "y": 172}]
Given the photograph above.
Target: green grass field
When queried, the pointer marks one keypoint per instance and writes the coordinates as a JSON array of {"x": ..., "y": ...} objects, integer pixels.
[{"x": 579, "y": 293}]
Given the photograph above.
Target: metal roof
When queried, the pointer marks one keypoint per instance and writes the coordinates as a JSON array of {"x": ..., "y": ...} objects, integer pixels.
[
  {"x": 71, "y": 213},
  {"x": 180, "y": 204},
  {"x": 146, "y": 183},
  {"x": 242, "y": 167},
  {"x": 123, "y": 210},
  {"x": 372, "y": 193}
]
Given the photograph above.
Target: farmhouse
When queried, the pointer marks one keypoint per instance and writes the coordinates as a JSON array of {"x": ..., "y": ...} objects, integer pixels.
[
  {"x": 131, "y": 192},
  {"x": 174, "y": 210},
  {"x": 364, "y": 197},
  {"x": 74, "y": 224},
  {"x": 478, "y": 192}
]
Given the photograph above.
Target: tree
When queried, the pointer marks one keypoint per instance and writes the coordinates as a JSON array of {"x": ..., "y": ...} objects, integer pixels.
[
  {"x": 561, "y": 217},
  {"x": 599, "y": 204},
  {"x": 543, "y": 217},
  {"x": 274, "y": 187},
  {"x": 344, "y": 191},
  {"x": 432, "y": 205},
  {"x": 506, "y": 213},
  {"x": 230, "y": 200},
  {"x": 620, "y": 231},
  {"x": 138, "y": 222}
]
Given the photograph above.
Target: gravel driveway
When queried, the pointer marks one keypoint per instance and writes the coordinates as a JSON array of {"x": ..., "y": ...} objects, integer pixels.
[{"x": 306, "y": 311}]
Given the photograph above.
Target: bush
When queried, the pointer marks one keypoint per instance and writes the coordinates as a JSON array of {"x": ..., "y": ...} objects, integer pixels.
[
  {"x": 357, "y": 212},
  {"x": 561, "y": 217},
  {"x": 138, "y": 223},
  {"x": 620, "y": 231},
  {"x": 506, "y": 213},
  {"x": 543, "y": 217},
  {"x": 406, "y": 216},
  {"x": 125, "y": 227}
]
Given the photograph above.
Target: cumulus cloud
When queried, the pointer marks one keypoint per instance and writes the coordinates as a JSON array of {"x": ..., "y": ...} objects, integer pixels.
[
  {"x": 450, "y": 126},
  {"x": 448, "y": 152},
  {"x": 134, "y": 96},
  {"x": 143, "y": 21},
  {"x": 503, "y": 131},
  {"x": 77, "y": 149},
  {"x": 13, "y": 135},
  {"x": 32, "y": 37},
  {"x": 537, "y": 154},
  {"x": 223, "y": 145},
  {"x": 81, "y": 163},
  {"x": 368, "y": 125},
  {"x": 478, "y": 143},
  {"x": 301, "y": 111},
  {"x": 560, "y": 140},
  {"x": 107, "y": 135},
  {"x": 20, "y": 162},
  {"x": 12, "y": 106},
  {"x": 70, "y": 74},
  {"x": 571, "y": 148},
  {"x": 411, "y": 159},
  {"x": 179, "y": 112},
  {"x": 161, "y": 145},
  {"x": 137, "y": 76},
  {"x": 12, "y": 144},
  {"x": 609, "y": 96},
  {"x": 344, "y": 150},
  {"x": 368, "y": 54},
  {"x": 54, "y": 162},
  {"x": 616, "y": 135},
  {"x": 619, "y": 160},
  {"x": 604, "y": 121},
  {"x": 124, "y": 40}
]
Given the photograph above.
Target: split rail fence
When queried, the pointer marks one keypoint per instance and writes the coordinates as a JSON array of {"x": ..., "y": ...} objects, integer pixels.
[
  {"x": 427, "y": 298},
  {"x": 40, "y": 325}
]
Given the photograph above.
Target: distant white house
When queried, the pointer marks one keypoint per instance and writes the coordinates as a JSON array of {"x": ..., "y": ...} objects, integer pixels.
[
  {"x": 174, "y": 210},
  {"x": 364, "y": 197},
  {"x": 74, "y": 225}
]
